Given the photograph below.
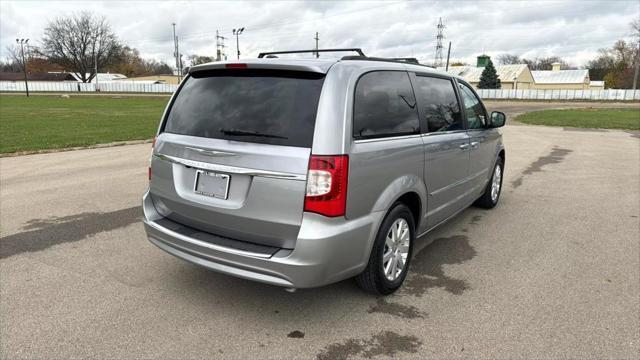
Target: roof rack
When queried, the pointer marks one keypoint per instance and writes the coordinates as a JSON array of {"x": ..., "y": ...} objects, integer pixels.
[
  {"x": 272, "y": 53},
  {"x": 408, "y": 60},
  {"x": 412, "y": 61}
]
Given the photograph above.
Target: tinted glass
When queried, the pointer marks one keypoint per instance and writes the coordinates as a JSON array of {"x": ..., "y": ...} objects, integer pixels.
[
  {"x": 438, "y": 99},
  {"x": 269, "y": 107},
  {"x": 476, "y": 118},
  {"x": 384, "y": 105}
]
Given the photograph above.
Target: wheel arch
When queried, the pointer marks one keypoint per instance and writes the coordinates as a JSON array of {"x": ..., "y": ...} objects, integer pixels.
[{"x": 408, "y": 189}]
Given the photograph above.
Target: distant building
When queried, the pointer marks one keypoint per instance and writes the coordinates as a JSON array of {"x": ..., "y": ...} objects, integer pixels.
[
  {"x": 515, "y": 76},
  {"x": 40, "y": 76},
  {"x": 156, "y": 79},
  {"x": 518, "y": 76},
  {"x": 102, "y": 77},
  {"x": 556, "y": 78},
  {"x": 596, "y": 85}
]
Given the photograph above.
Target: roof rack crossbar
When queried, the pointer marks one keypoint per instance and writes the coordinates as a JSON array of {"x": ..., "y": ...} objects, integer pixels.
[
  {"x": 357, "y": 50},
  {"x": 409, "y": 60}
]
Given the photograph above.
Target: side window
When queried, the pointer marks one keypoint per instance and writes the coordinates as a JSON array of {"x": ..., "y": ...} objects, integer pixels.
[
  {"x": 476, "y": 118},
  {"x": 441, "y": 108},
  {"x": 384, "y": 105}
]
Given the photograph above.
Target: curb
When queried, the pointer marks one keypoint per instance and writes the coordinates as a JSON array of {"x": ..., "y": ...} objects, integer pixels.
[{"x": 96, "y": 146}]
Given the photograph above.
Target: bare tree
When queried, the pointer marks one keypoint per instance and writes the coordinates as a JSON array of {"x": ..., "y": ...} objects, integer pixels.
[
  {"x": 79, "y": 42},
  {"x": 635, "y": 28},
  {"x": 199, "y": 59},
  {"x": 509, "y": 59},
  {"x": 15, "y": 63}
]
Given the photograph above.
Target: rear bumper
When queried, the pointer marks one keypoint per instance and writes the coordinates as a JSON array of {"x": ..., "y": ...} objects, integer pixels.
[{"x": 327, "y": 250}]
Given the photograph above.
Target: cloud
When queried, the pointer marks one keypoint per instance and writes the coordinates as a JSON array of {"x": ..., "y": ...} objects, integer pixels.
[{"x": 574, "y": 30}]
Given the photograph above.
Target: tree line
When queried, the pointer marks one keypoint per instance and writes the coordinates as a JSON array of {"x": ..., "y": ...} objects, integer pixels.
[
  {"x": 616, "y": 66},
  {"x": 76, "y": 44}
]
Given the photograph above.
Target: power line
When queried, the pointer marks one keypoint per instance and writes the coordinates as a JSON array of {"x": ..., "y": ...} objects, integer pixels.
[{"x": 220, "y": 53}]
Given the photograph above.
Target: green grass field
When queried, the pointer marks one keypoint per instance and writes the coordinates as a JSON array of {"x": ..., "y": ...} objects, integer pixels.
[
  {"x": 52, "y": 122},
  {"x": 627, "y": 119}
]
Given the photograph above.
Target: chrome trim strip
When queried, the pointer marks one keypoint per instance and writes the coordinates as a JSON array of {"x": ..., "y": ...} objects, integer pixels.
[
  {"x": 450, "y": 186},
  {"x": 204, "y": 244},
  {"x": 387, "y": 138},
  {"x": 231, "y": 169},
  {"x": 443, "y": 133},
  {"x": 447, "y": 219},
  {"x": 459, "y": 182}
]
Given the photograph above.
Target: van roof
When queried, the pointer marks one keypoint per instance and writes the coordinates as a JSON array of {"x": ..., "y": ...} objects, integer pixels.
[{"x": 320, "y": 65}]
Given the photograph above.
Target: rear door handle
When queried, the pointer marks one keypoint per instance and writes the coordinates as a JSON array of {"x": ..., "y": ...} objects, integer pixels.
[{"x": 464, "y": 146}]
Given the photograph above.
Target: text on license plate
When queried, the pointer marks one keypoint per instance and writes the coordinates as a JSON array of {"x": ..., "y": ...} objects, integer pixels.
[{"x": 212, "y": 184}]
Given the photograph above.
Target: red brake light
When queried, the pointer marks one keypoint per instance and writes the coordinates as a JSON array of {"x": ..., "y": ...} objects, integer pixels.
[
  {"x": 236, "y": 66},
  {"x": 327, "y": 185}
]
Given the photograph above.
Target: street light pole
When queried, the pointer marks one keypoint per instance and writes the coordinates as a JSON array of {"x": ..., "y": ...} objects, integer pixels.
[
  {"x": 95, "y": 58},
  {"x": 22, "y": 43},
  {"x": 237, "y": 33}
]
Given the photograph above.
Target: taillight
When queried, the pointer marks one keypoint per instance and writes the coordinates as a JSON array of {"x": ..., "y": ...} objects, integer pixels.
[
  {"x": 327, "y": 185},
  {"x": 153, "y": 146}
]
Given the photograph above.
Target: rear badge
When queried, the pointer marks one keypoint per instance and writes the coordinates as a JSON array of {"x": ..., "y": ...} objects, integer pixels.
[{"x": 212, "y": 184}]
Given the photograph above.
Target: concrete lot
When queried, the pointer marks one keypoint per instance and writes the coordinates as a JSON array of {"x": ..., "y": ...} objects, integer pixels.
[{"x": 552, "y": 272}]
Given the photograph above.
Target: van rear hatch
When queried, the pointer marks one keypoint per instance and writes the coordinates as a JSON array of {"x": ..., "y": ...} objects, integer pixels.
[{"x": 233, "y": 151}]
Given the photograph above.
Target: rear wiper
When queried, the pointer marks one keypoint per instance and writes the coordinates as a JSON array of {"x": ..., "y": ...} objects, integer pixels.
[{"x": 236, "y": 132}]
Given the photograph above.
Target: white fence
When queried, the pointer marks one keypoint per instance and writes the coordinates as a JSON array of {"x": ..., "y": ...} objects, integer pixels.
[
  {"x": 132, "y": 87},
  {"x": 120, "y": 87},
  {"x": 559, "y": 94}
]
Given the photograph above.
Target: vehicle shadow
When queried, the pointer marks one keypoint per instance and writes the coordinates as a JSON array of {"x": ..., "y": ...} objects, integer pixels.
[{"x": 446, "y": 245}]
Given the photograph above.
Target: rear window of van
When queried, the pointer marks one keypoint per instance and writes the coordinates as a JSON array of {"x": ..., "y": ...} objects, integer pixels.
[{"x": 251, "y": 105}]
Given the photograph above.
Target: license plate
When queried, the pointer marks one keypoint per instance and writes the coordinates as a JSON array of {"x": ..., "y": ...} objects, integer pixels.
[{"x": 212, "y": 184}]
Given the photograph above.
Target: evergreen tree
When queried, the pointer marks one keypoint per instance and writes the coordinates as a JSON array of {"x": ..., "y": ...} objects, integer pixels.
[{"x": 489, "y": 78}]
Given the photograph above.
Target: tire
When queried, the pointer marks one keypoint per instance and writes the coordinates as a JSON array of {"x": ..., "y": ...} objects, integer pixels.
[
  {"x": 487, "y": 201},
  {"x": 373, "y": 279}
]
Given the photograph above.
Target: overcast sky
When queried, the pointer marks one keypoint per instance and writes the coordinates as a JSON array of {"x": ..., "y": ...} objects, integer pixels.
[{"x": 574, "y": 30}]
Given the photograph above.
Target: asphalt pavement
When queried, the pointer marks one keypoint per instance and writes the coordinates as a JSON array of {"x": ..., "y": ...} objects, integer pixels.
[{"x": 552, "y": 272}]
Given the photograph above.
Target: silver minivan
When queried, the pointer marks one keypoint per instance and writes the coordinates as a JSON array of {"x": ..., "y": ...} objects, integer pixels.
[{"x": 304, "y": 172}]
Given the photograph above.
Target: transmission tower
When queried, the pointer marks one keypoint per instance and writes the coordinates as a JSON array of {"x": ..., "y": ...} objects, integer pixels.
[
  {"x": 220, "y": 53},
  {"x": 439, "y": 48}
]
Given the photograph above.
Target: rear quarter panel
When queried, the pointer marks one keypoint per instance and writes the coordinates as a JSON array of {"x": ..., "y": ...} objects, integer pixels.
[{"x": 381, "y": 171}]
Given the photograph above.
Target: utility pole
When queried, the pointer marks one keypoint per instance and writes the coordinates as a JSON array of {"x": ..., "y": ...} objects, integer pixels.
[
  {"x": 635, "y": 76},
  {"x": 316, "y": 38},
  {"x": 438, "y": 59},
  {"x": 176, "y": 53},
  {"x": 220, "y": 54},
  {"x": 22, "y": 43},
  {"x": 95, "y": 63},
  {"x": 237, "y": 33},
  {"x": 448, "y": 55}
]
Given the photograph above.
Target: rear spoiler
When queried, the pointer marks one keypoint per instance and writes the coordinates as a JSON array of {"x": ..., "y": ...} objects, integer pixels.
[{"x": 268, "y": 64}]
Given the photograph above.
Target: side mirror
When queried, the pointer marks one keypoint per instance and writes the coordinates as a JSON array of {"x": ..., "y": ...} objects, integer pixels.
[{"x": 498, "y": 119}]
